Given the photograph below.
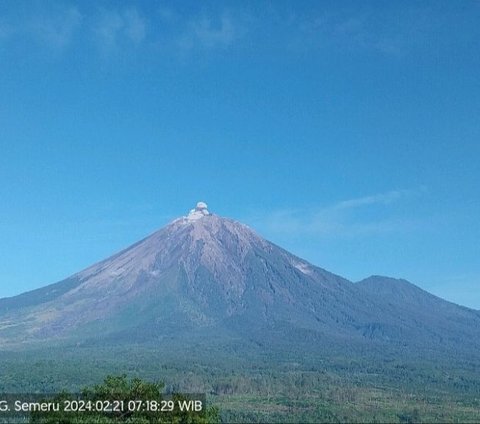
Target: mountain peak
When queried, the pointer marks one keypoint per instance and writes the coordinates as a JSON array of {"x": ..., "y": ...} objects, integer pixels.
[
  {"x": 198, "y": 212},
  {"x": 214, "y": 275}
]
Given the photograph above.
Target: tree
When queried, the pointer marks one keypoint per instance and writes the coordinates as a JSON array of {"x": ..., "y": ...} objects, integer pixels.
[
  {"x": 120, "y": 400},
  {"x": 410, "y": 417}
]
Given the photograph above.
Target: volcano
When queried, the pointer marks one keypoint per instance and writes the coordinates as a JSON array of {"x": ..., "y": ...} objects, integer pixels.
[{"x": 207, "y": 276}]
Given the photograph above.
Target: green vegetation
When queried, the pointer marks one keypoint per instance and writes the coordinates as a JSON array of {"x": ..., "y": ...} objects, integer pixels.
[
  {"x": 119, "y": 400},
  {"x": 269, "y": 388}
]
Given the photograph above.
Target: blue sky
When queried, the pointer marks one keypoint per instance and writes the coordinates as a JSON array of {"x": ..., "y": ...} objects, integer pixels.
[{"x": 347, "y": 132}]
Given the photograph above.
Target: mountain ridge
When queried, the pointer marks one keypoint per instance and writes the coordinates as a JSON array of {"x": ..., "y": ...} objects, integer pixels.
[{"x": 205, "y": 274}]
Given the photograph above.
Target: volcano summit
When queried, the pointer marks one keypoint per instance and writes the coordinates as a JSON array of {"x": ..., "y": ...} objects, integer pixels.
[{"x": 211, "y": 277}]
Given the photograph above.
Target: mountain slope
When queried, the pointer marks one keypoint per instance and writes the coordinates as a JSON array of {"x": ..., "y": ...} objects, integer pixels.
[
  {"x": 213, "y": 278},
  {"x": 428, "y": 316}
]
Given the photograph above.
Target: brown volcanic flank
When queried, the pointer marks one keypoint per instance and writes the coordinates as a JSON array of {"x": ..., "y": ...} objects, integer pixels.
[{"x": 206, "y": 273}]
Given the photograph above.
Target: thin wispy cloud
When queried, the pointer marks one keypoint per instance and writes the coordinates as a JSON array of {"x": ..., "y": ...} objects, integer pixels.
[
  {"x": 167, "y": 14},
  {"x": 52, "y": 28},
  {"x": 135, "y": 25},
  {"x": 382, "y": 198},
  {"x": 208, "y": 32},
  {"x": 342, "y": 218},
  {"x": 115, "y": 27},
  {"x": 56, "y": 30},
  {"x": 108, "y": 28},
  {"x": 389, "y": 31},
  {"x": 351, "y": 29}
]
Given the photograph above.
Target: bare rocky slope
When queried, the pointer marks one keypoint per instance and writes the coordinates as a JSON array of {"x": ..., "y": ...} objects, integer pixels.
[{"x": 210, "y": 277}]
